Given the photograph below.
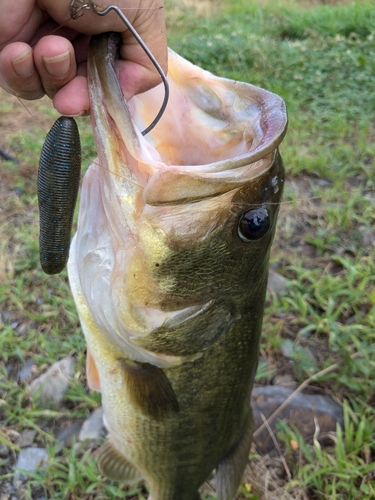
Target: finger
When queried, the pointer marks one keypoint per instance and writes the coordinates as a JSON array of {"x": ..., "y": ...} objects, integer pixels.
[
  {"x": 19, "y": 20},
  {"x": 147, "y": 16},
  {"x": 87, "y": 21},
  {"x": 137, "y": 73},
  {"x": 18, "y": 72},
  {"x": 136, "y": 79},
  {"x": 55, "y": 61},
  {"x": 73, "y": 99}
]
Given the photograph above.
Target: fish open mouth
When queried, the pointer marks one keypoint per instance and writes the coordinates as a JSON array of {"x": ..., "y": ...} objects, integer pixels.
[
  {"x": 214, "y": 131},
  {"x": 210, "y": 119}
]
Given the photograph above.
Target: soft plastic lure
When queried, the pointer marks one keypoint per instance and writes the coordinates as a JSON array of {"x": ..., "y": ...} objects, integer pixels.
[{"x": 58, "y": 181}]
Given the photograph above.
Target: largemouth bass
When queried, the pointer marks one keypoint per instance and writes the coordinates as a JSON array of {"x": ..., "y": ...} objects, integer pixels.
[{"x": 169, "y": 270}]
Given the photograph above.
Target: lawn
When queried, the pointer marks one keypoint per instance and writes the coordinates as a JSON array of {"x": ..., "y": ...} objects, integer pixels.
[{"x": 320, "y": 57}]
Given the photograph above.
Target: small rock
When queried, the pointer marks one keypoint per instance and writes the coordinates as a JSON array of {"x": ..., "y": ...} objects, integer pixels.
[
  {"x": 285, "y": 380},
  {"x": 20, "y": 491},
  {"x": 22, "y": 329},
  {"x": 29, "y": 459},
  {"x": 51, "y": 386},
  {"x": 368, "y": 236},
  {"x": 28, "y": 436},
  {"x": 323, "y": 183},
  {"x": 4, "y": 451},
  {"x": 92, "y": 428},
  {"x": 7, "y": 315},
  {"x": 67, "y": 436},
  {"x": 15, "y": 437},
  {"x": 9, "y": 368},
  {"x": 276, "y": 283},
  {"x": 302, "y": 412},
  {"x": 28, "y": 371}
]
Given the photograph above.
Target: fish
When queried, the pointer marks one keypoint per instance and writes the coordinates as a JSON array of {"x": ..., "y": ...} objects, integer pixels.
[
  {"x": 59, "y": 174},
  {"x": 169, "y": 267}
]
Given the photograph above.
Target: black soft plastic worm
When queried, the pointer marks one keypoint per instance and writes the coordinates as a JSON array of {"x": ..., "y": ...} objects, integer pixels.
[{"x": 58, "y": 181}]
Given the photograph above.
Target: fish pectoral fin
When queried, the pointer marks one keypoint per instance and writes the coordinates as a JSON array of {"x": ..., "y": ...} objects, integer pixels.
[
  {"x": 189, "y": 331},
  {"x": 115, "y": 466},
  {"x": 92, "y": 373},
  {"x": 230, "y": 470},
  {"x": 149, "y": 389}
]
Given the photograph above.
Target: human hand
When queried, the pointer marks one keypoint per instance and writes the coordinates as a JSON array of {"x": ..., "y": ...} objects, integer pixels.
[{"x": 44, "y": 51}]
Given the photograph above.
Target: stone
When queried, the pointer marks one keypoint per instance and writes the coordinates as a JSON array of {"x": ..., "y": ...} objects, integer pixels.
[
  {"x": 15, "y": 437},
  {"x": 276, "y": 284},
  {"x": 323, "y": 182},
  {"x": 368, "y": 235},
  {"x": 28, "y": 436},
  {"x": 4, "y": 451},
  {"x": 285, "y": 380},
  {"x": 29, "y": 459},
  {"x": 27, "y": 371},
  {"x": 301, "y": 413},
  {"x": 92, "y": 428},
  {"x": 50, "y": 387},
  {"x": 68, "y": 436},
  {"x": 7, "y": 316},
  {"x": 22, "y": 329}
]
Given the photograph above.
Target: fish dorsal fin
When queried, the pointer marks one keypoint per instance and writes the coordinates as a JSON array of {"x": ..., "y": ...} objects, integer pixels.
[
  {"x": 115, "y": 466},
  {"x": 149, "y": 389},
  {"x": 92, "y": 373}
]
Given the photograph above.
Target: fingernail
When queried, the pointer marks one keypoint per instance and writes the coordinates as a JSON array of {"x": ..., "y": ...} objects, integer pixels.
[
  {"x": 23, "y": 64},
  {"x": 58, "y": 65}
]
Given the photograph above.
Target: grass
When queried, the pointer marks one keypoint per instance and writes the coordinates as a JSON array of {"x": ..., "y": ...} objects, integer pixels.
[{"x": 321, "y": 60}]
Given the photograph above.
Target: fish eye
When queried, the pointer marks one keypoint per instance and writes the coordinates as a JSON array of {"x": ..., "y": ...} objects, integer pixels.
[{"x": 254, "y": 224}]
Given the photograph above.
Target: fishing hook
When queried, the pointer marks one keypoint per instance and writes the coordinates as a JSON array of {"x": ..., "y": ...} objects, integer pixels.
[{"x": 103, "y": 11}]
